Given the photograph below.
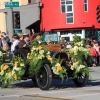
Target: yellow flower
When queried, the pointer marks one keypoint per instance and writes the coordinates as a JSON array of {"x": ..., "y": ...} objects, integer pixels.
[
  {"x": 39, "y": 57},
  {"x": 48, "y": 56},
  {"x": 76, "y": 48},
  {"x": 16, "y": 63},
  {"x": 59, "y": 68},
  {"x": 15, "y": 77},
  {"x": 2, "y": 66},
  {"x": 28, "y": 57},
  {"x": 40, "y": 47},
  {"x": 75, "y": 52},
  {"x": 5, "y": 82},
  {"x": 5, "y": 67},
  {"x": 50, "y": 59},
  {"x": 10, "y": 74},
  {"x": 77, "y": 63},
  {"x": 28, "y": 54}
]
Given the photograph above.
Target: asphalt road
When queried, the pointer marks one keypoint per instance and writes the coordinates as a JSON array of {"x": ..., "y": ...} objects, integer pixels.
[{"x": 25, "y": 90}]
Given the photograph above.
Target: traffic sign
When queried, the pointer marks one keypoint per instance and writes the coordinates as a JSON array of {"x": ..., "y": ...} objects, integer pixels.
[
  {"x": 17, "y": 31},
  {"x": 11, "y": 4}
]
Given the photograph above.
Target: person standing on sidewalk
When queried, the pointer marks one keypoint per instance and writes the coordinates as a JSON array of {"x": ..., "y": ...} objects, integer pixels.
[
  {"x": 97, "y": 47},
  {"x": 93, "y": 54}
]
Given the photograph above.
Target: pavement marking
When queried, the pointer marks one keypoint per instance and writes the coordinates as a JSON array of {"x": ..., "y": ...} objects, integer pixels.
[
  {"x": 56, "y": 98},
  {"x": 36, "y": 96}
]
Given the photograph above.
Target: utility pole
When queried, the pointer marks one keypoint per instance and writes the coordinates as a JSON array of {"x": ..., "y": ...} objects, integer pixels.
[{"x": 12, "y": 28}]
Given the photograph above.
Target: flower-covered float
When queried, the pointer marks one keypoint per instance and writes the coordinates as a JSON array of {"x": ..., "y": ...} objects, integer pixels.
[
  {"x": 9, "y": 73},
  {"x": 45, "y": 62}
]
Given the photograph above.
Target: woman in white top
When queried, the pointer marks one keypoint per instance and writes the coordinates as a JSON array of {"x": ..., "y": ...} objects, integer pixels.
[{"x": 15, "y": 42}]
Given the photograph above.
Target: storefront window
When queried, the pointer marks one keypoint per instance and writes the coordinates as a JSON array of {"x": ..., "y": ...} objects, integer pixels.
[{"x": 93, "y": 34}]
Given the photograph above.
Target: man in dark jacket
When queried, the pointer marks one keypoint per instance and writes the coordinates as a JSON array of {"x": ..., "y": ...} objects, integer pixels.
[{"x": 24, "y": 44}]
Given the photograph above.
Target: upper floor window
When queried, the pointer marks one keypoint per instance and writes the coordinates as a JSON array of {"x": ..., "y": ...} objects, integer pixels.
[
  {"x": 85, "y": 5},
  {"x": 62, "y": 5},
  {"x": 67, "y": 8}
]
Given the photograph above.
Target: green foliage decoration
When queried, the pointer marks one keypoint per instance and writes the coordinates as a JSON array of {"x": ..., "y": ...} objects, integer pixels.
[{"x": 78, "y": 55}]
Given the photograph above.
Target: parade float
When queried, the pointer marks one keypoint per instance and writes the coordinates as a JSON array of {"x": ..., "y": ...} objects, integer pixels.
[{"x": 45, "y": 62}]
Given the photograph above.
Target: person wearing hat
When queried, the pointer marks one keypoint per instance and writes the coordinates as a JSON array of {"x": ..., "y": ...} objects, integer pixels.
[{"x": 25, "y": 42}]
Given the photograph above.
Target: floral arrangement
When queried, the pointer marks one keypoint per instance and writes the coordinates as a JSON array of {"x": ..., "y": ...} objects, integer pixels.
[
  {"x": 12, "y": 72},
  {"x": 78, "y": 53},
  {"x": 38, "y": 55}
]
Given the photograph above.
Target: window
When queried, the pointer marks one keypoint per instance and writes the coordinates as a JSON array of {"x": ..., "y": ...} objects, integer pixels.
[
  {"x": 29, "y": 1},
  {"x": 86, "y": 5},
  {"x": 69, "y": 11},
  {"x": 67, "y": 8},
  {"x": 69, "y": 17},
  {"x": 62, "y": 6}
]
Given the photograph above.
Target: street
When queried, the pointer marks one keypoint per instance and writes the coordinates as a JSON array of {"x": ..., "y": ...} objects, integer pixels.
[{"x": 25, "y": 90}]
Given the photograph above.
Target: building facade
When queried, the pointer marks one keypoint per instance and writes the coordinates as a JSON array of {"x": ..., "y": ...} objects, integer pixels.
[
  {"x": 25, "y": 17},
  {"x": 3, "y": 15},
  {"x": 55, "y": 18},
  {"x": 68, "y": 17}
]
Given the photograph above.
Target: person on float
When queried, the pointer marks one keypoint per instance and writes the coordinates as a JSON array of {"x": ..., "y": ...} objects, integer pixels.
[{"x": 24, "y": 43}]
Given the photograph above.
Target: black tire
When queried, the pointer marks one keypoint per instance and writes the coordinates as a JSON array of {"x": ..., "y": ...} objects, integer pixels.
[
  {"x": 44, "y": 77},
  {"x": 81, "y": 79}
]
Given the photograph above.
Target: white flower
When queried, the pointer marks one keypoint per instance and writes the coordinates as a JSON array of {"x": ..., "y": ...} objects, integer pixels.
[
  {"x": 41, "y": 52},
  {"x": 57, "y": 64},
  {"x": 78, "y": 69},
  {"x": 48, "y": 53},
  {"x": 55, "y": 70},
  {"x": 76, "y": 48},
  {"x": 1, "y": 54},
  {"x": 2, "y": 72},
  {"x": 72, "y": 67},
  {"x": 82, "y": 66},
  {"x": 21, "y": 64},
  {"x": 16, "y": 68},
  {"x": 81, "y": 48}
]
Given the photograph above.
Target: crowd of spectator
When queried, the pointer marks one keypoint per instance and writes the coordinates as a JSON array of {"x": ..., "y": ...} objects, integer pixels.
[
  {"x": 94, "y": 47},
  {"x": 18, "y": 41}
]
